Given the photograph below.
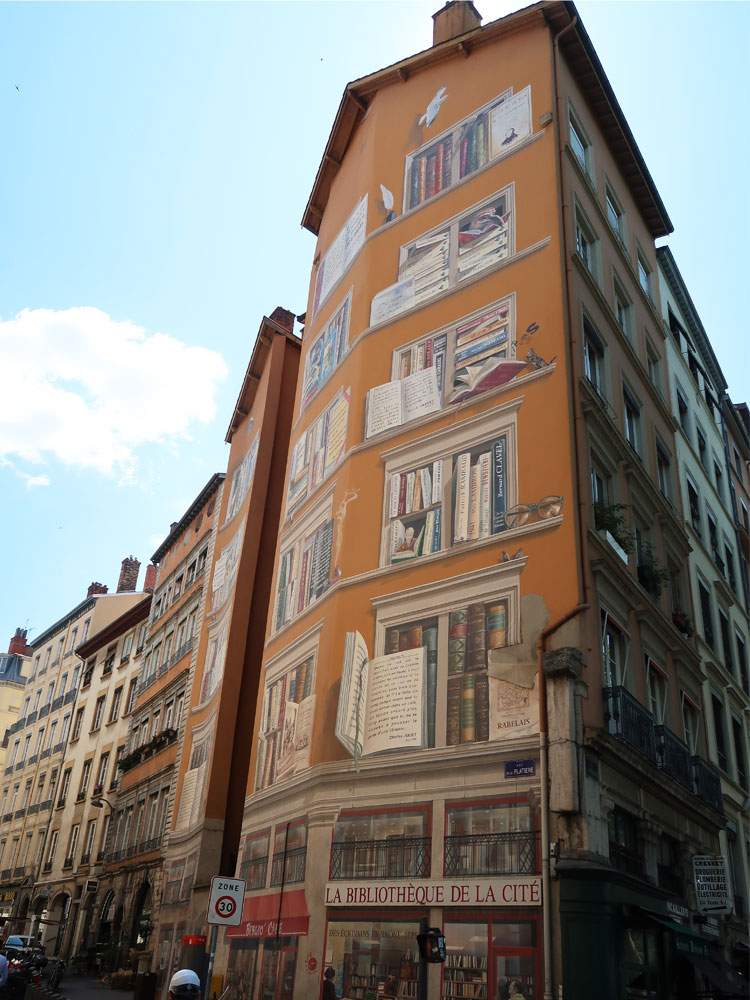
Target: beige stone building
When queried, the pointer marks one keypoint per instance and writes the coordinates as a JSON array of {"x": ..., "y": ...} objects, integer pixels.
[{"x": 14, "y": 669}]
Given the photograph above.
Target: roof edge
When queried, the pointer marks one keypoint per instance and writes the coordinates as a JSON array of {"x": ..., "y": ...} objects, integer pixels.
[{"x": 200, "y": 501}]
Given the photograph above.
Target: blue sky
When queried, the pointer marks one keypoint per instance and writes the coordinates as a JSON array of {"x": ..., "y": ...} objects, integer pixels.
[{"x": 156, "y": 159}]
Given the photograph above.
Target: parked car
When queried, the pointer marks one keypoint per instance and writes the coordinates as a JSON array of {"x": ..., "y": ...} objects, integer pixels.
[{"x": 22, "y": 944}]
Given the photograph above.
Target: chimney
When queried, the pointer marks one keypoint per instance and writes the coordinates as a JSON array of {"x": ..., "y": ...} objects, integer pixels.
[
  {"x": 283, "y": 318},
  {"x": 96, "y": 588},
  {"x": 128, "y": 575},
  {"x": 456, "y": 18},
  {"x": 18, "y": 643},
  {"x": 150, "y": 582}
]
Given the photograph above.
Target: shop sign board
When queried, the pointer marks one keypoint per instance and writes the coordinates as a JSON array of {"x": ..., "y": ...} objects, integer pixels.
[
  {"x": 678, "y": 912},
  {"x": 432, "y": 892},
  {"x": 520, "y": 768},
  {"x": 712, "y": 883},
  {"x": 225, "y": 901}
]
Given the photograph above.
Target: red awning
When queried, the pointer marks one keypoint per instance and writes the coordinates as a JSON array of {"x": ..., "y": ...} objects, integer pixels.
[{"x": 260, "y": 916}]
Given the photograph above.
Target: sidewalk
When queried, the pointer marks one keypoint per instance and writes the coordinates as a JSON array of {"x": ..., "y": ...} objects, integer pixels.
[{"x": 85, "y": 988}]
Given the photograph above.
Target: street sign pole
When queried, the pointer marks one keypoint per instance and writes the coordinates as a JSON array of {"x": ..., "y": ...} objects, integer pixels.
[
  {"x": 211, "y": 957},
  {"x": 225, "y": 904}
]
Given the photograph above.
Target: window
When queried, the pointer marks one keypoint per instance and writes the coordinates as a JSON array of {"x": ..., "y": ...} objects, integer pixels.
[
  {"x": 713, "y": 540},
  {"x": 73, "y": 637},
  {"x": 644, "y": 275},
  {"x": 178, "y": 586},
  {"x": 694, "y": 505},
  {"x": 52, "y": 847},
  {"x": 580, "y": 144},
  {"x": 88, "y": 843},
  {"x": 587, "y": 243},
  {"x": 600, "y": 484},
  {"x": 64, "y": 786},
  {"x": 101, "y": 775},
  {"x": 85, "y": 775},
  {"x": 726, "y": 642},
  {"x": 39, "y": 790},
  {"x": 729, "y": 561},
  {"x": 73, "y": 843},
  {"x": 98, "y": 712},
  {"x": 132, "y": 694},
  {"x": 657, "y": 683},
  {"x": 718, "y": 479},
  {"x": 14, "y": 756},
  {"x": 117, "y": 698},
  {"x": 127, "y": 646},
  {"x": 615, "y": 214},
  {"x": 742, "y": 661},
  {"x": 593, "y": 357},
  {"x": 14, "y": 797},
  {"x": 283, "y": 695},
  {"x": 88, "y": 673},
  {"x": 632, "y": 415},
  {"x": 289, "y": 854},
  {"x": 453, "y": 487},
  {"x": 255, "y": 860},
  {"x": 683, "y": 414},
  {"x": 39, "y": 740},
  {"x": 717, "y": 709},
  {"x": 739, "y": 751},
  {"x": 459, "y": 249},
  {"x": 653, "y": 363},
  {"x": 615, "y": 651},
  {"x": 383, "y": 845},
  {"x": 624, "y": 848},
  {"x": 109, "y": 662},
  {"x": 86, "y": 626},
  {"x": 663, "y": 470},
  {"x": 622, "y": 307},
  {"x": 495, "y": 838},
  {"x": 326, "y": 352},
  {"x": 26, "y": 744},
  {"x": 78, "y": 723},
  {"x": 702, "y": 448},
  {"x": 52, "y": 729},
  {"x": 305, "y": 563},
  {"x": 50, "y": 692},
  {"x": 745, "y": 516},
  {"x": 705, "y": 601}
]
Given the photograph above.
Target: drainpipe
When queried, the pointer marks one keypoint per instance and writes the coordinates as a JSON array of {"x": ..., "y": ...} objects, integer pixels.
[{"x": 543, "y": 778}]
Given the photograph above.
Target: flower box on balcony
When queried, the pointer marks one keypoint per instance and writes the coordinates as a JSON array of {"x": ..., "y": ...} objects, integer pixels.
[{"x": 683, "y": 623}]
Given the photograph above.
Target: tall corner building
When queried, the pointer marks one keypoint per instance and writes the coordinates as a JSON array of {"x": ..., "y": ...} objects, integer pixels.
[{"x": 481, "y": 705}]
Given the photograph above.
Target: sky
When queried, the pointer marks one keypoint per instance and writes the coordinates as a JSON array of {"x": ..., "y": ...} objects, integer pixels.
[{"x": 156, "y": 159}]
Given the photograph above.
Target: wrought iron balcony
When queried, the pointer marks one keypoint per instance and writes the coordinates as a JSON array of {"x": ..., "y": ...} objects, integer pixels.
[
  {"x": 673, "y": 756},
  {"x": 184, "y": 648},
  {"x": 20, "y": 812},
  {"x": 292, "y": 868},
  {"x": 69, "y": 696},
  {"x": 629, "y": 721},
  {"x": 707, "y": 784},
  {"x": 115, "y": 856},
  {"x": 33, "y": 759},
  {"x": 396, "y": 857},
  {"x": 47, "y": 804},
  {"x": 254, "y": 873},
  {"x": 44, "y": 710},
  {"x": 46, "y": 753},
  {"x": 18, "y": 871},
  {"x": 492, "y": 854},
  {"x": 101, "y": 856},
  {"x": 58, "y": 702},
  {"x": 33, "y": 809},
  {"x": 31, "y": 718},
  {"x": 149, "y": 845},
  {"x": 7, "y": 817}
]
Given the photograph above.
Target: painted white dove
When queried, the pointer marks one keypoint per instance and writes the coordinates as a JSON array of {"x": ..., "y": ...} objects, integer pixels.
[
  {"x": 387, "y": 197},
  {"x": 433, "y": 107}
]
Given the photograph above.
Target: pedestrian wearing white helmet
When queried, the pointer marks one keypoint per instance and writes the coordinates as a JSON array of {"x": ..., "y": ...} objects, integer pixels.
[{"x": 184, "y": 985}]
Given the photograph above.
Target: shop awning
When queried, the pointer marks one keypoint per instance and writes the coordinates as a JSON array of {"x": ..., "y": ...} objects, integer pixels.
[
  {"x": 713, "y": 973},
  {"x": 687, "y": 942},
  {"x": 261, "y": 917}
]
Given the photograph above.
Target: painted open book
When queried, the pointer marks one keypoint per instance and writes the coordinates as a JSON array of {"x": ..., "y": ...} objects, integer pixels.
[{"x": 381, "y": 701}]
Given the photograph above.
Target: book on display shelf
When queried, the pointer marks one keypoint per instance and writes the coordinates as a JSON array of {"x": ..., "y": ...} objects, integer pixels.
[{"x": 395, "y": 403}]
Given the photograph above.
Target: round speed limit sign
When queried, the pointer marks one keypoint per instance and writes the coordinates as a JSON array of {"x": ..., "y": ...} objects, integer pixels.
[
  {"x": 225, "y": 907},
  {"x": 225, "y": 902}
]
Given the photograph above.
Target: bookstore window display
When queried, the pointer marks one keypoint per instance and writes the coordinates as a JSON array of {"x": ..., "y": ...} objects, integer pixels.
[
  {"x": 374, "y": 958},
  {"x": 484, "y": 957},
  {"x": 277, "y": 969},
  {"x": 452, "y": 486},
  {"x": 241, "y": 969},
  {"x": 381, "y": 845},
  {"x": 283, "y": 698}
]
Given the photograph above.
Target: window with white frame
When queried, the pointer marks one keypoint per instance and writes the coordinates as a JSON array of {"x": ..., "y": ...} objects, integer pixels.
[
  {"x": 615, "y": 214},
  {"x": 644, "y": 275},
  {"x": 98, "y": 712},
  {"x": 305, "y": 562},
  {"x": 593, "y": 357},
  {"x": 579, "y": 143},
  {"x": 700, "y": 438},
  {"x": 623, "y": 308},
  {"x": 615, "y": 651},
  {"x": 653, "y": 364},
  {"x": 632, "y": 417},
  {"x": 657, "y": 684},
  {"x": 587, "y": 243},
  {"x": 694, "y": 506},
  {"x": 663, "y": 470}
]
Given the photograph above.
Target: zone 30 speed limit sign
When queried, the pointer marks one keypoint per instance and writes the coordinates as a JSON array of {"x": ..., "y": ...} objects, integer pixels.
[{"x": 225, "y": 902}]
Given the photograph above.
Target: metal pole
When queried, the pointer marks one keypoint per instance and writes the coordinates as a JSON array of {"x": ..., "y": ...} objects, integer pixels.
[{"x": 211, "y": 956}]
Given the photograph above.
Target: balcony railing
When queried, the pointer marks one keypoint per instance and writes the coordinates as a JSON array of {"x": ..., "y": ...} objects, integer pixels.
[
  {"x": 20, "y": 812},
  {"x": 115, "y": 856},
  {"x": 254, "y": 873},
  {"x": 47, "y": 804},
  {"x": 292, "y": 868},
  {"x": 58, "y": 702},
  {"x": 149, "y": 845},
  {"x": 7, "y": 817},
  {"x": 625, "y": 860},
  {"x": 18, "y": 871},
  {"x": 85, "y": 858},
  {"x": 46, "y": 753},
  {"x": 397, "y": 857},
  {"x": 34, "y": 809},
  {"x": 101, "y": 856},
  {"x": 33, "y": 759},
  {"x": 629, "y": 721},
  {"x": 184, "y": 648},
  {"x": 44, "y": 710},
  {"x": 492, "y": 854},
  {"x": 707, "y": 784},
  {"x": 9, "y": 769},
  {"x": 673, "y": 756},
  {"x": 31, "y": 718}
]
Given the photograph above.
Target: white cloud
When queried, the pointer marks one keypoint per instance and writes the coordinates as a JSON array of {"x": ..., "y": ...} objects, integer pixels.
[
  {"x": 32, "y": 481},
  {"x": 88, "y": 390}
]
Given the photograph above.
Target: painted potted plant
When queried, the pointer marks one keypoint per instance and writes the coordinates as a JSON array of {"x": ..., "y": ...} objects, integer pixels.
[{"x": 651, "y": 575}]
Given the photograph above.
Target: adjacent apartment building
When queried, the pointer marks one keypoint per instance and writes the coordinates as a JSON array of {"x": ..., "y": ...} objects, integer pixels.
[
  {"x": 480, "y": 707},
  {"x": 41, "y": 777},
  {"x": 14, "y": 669}
]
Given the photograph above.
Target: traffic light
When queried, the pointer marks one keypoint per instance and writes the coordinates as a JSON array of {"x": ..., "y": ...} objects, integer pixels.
[{"x": 432, "y": 945}]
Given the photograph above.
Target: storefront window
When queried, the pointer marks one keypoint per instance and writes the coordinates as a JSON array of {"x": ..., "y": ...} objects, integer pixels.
[
  {"x": 241, "y": 972},
  {"x": 495, "y": 960},
  {"x": 277, "y": 968},
  {"x": 378, "y": 958},
  {"x": 641, "y": 963}
]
